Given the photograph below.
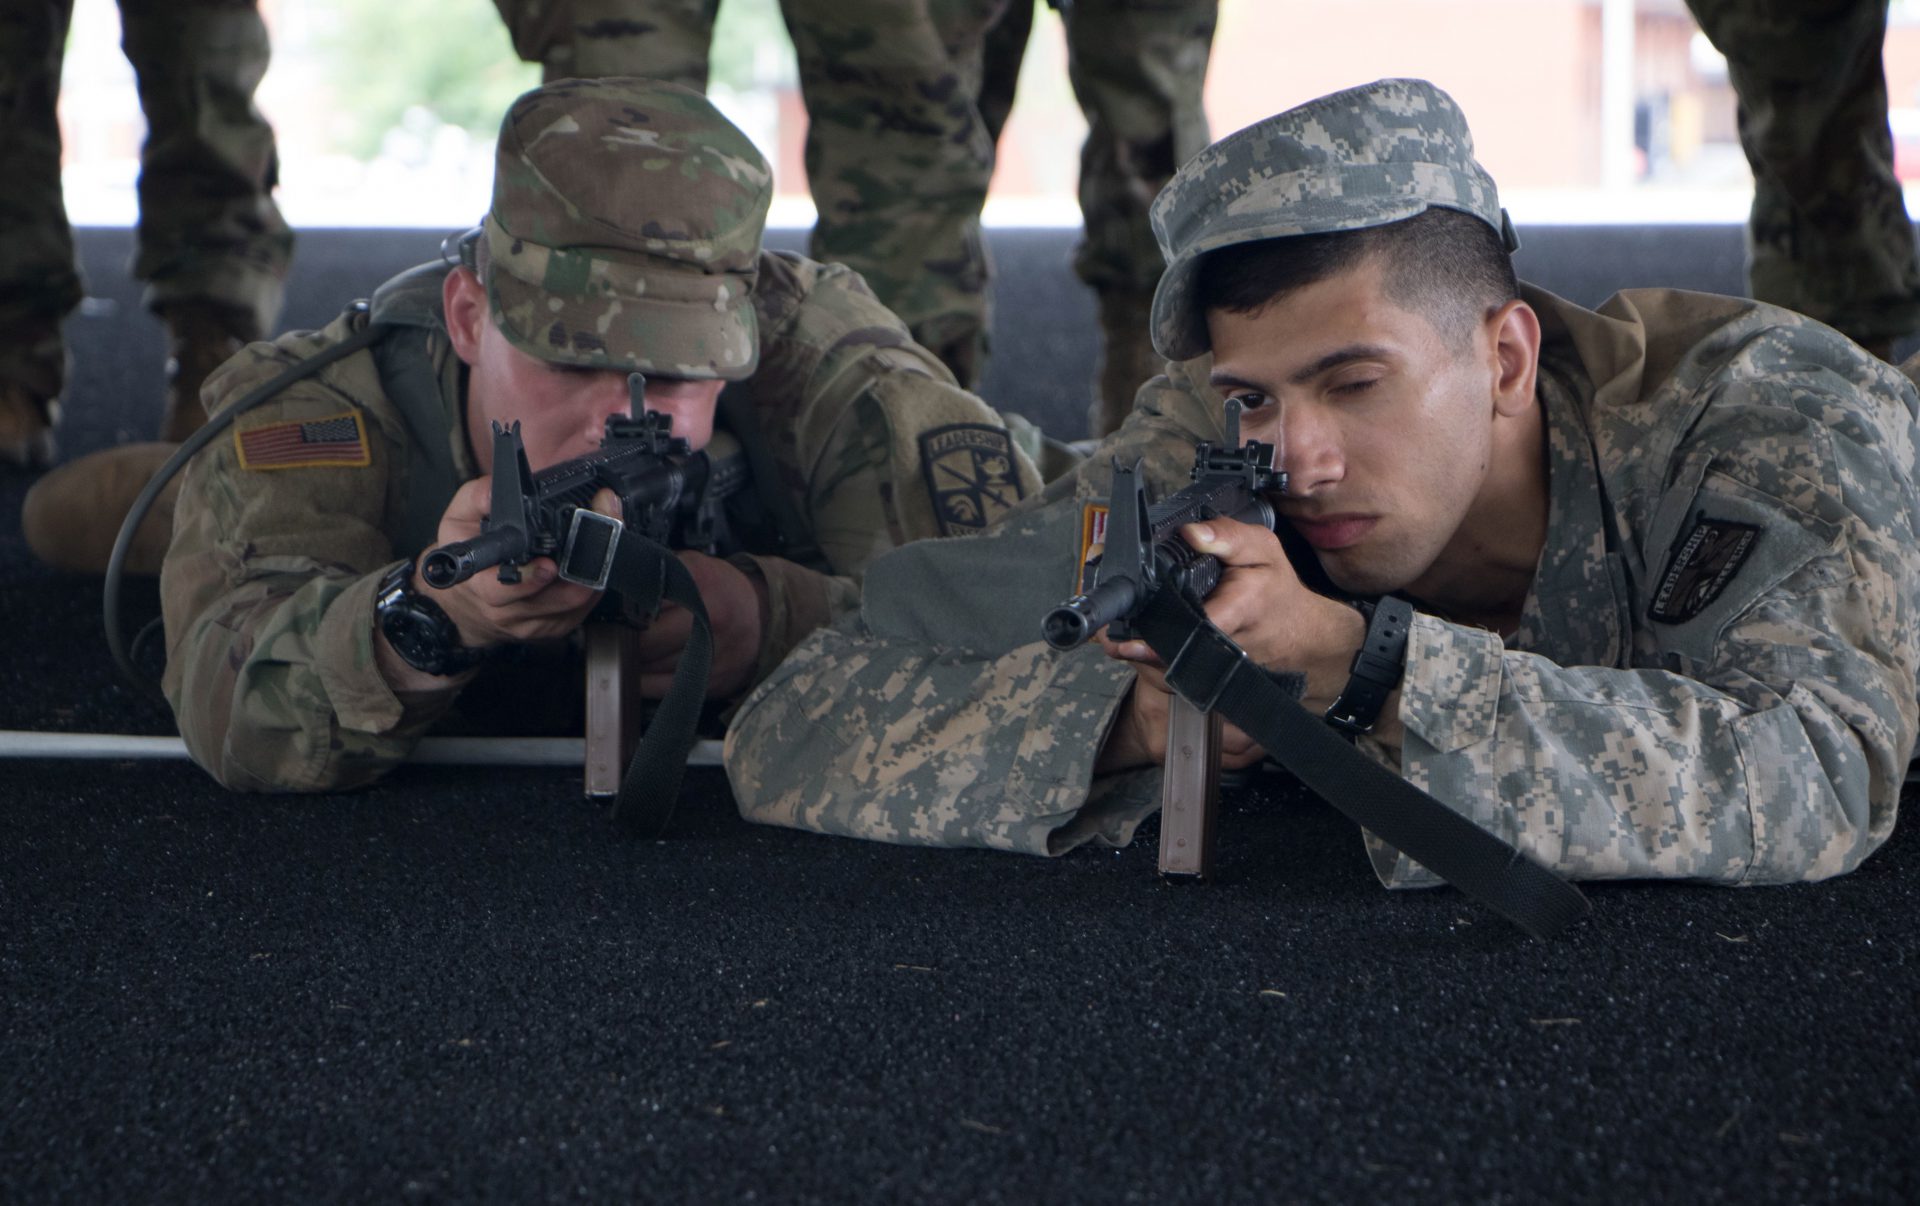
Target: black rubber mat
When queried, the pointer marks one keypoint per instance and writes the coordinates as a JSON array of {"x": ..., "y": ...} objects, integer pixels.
[{"x": 464, "y": 985}]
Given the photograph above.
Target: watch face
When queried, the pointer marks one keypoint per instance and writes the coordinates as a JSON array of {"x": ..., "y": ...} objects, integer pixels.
[{"x": 414, "y": 636}]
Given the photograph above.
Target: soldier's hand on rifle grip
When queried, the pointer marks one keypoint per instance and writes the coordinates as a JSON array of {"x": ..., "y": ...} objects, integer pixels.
[
  {"x": 1263, "y": 606},
  {"x": 541, "y": 606},
  {"x": 1139, "y": 733},
  {"x": 738, "y": 609}
]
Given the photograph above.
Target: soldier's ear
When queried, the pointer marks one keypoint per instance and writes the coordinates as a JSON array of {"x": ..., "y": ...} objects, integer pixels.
[
  {"x": 464, "y": 302},
  {"x": 1514, "y": 332}
]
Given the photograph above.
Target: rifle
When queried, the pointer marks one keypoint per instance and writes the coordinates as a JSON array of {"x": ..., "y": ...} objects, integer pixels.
[
  {"x": 1144, "y": 551},
  {"x": 667, "y": 493}
]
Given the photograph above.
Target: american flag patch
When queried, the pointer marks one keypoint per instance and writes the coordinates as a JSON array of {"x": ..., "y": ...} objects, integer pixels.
[{"x": 339, "y": 441}]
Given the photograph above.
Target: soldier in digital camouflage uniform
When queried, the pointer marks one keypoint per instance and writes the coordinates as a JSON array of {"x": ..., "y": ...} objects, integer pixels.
[
  {"x": 624, "y": 235},
  {"x": 213, "y": 248},
  {"x": 1829, "y": 235},
  {"x": 1662, "y": 556},
  {"x": 906, "y": 103}
]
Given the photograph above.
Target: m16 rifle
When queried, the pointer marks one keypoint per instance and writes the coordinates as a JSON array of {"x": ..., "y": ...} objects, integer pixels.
[
  {"x": 666, "y": 493},
  {"x": 1144, "y": 551}
]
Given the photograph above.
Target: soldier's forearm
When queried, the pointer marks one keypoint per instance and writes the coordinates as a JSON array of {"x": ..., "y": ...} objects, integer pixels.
[{"x": 799, "y": 601}]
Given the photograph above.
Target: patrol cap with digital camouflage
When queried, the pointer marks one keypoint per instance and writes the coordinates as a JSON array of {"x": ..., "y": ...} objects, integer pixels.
[
  {"x": 625, "y": 230},
  {"x": 1364, "y": 157}
]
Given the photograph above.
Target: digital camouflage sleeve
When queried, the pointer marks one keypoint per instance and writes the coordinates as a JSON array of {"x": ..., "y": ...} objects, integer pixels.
[{"x": 1714, "y": 677}]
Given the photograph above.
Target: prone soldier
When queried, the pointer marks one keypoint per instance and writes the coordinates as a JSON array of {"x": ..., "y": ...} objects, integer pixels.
[
  {"x": 1644, "y": 580},
  {"x": 623, "y": 236}
]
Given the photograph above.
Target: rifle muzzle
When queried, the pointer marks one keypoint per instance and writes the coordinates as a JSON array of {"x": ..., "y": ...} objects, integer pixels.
[
  {"x": 451, "y": 564},
  {"x": 1073, "y": 623}
]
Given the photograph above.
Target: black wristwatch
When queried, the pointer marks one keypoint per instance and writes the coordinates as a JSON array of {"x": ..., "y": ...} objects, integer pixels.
[
  {"x": 1377, "y": 666},
  {"x": 424, "y": 636}
]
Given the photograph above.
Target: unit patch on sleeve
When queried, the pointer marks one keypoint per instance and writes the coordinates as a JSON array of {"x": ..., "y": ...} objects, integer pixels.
[
  {"x": 1703, "y": 562},
  {"x": 970, "y": 475},
  {"x": 339, "y": 441}
]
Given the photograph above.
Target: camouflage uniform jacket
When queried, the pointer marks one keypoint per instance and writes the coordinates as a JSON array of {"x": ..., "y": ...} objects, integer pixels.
[
  {"x": 268, "y": 586},
  {"x": 1736, "y": 468}
]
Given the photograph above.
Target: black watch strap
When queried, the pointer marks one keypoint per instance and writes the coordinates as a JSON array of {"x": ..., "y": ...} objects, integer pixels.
[{"x": 1377, "y": 666}]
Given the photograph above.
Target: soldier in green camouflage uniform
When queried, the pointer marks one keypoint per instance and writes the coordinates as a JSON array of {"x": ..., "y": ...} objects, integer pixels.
[
  {"x": 1662, "y": 555},
  {"x": 1137, "y": 67},
  {"x": 1829, "y": 235},
  {"x": 213, "y": 248},
  {"x": 906, "y": 103},
  {"x": 624, "y": 235}
]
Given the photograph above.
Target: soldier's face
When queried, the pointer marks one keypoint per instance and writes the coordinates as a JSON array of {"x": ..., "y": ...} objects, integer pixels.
[
  {"x": 1392, "y": 434},
  {"x": 562, "y": 409}
]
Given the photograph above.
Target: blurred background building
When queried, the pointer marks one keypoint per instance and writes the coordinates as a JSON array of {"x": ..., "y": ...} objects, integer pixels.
[{"x": 1585, "y": 110}]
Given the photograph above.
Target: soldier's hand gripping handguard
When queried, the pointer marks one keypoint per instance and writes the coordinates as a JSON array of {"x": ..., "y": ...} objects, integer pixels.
[
  {"x": 1149, "y": 584},
  {"x": 669, "y": 498}
]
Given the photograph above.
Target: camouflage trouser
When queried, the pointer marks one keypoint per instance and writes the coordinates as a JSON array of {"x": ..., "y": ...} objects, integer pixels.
[
  {"x": 209, "y": 230},
  {"x": 906, "y": 99},
  {"x": 898, "y": 154},
  {"x": 1829, "y": 234},
  {"x": 1137, "y": 67}
]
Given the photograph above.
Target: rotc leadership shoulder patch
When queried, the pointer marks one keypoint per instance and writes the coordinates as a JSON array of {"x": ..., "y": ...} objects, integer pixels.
[
  {"x": 1703, "y": 562},
  {"x": 338, "y": 440},
  {"x": 971, "y": 477}
]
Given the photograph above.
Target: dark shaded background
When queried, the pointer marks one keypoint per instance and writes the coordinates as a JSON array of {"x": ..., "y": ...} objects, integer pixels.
[{"x": 462, "y": 984}]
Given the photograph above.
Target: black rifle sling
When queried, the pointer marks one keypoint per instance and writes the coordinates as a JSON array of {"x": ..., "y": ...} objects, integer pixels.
[
  {"x": 1214, "y": 674},
  {"x": 769, "y": 484},
  {"x": 411, "y": 383},
  {"x": 646, "y": 573},
  {"x": 408, "y": 308}
]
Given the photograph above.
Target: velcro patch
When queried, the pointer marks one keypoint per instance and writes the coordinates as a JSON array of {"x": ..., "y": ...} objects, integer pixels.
[
  {"x": 1093, "y": 530},
  {"x": 970, "y": 474},
  {"x": 339, "y": 441},
  {"x": 1703, "y": 562}
]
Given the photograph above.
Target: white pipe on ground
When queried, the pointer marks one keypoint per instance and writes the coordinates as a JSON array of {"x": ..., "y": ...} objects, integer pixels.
[{"x": 440, "y": 751}]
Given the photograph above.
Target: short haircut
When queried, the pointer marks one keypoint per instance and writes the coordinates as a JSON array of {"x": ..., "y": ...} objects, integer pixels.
[{"x": 1446, "y": 265}]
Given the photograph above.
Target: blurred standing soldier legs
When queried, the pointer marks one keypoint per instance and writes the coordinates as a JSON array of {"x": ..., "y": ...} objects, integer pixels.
[
  {"x": 906, "y": 99},
  {"x": 213, "y": 248},
  {"x": 1137, "y": 67},
  {"x": 1829, "y": 235},
  {"x": 588, "y": 39},
  {"x": 898, "y": 155}
]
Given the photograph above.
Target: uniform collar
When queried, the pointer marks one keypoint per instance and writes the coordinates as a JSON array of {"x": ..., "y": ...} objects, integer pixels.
[{"x": 1576, "y": 609}]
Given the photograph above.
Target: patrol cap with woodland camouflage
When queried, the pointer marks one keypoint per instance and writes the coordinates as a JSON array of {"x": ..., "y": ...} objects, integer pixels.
[
  {"x": 625, "y": 229},
  {"x": 1364, "y": 157}
]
